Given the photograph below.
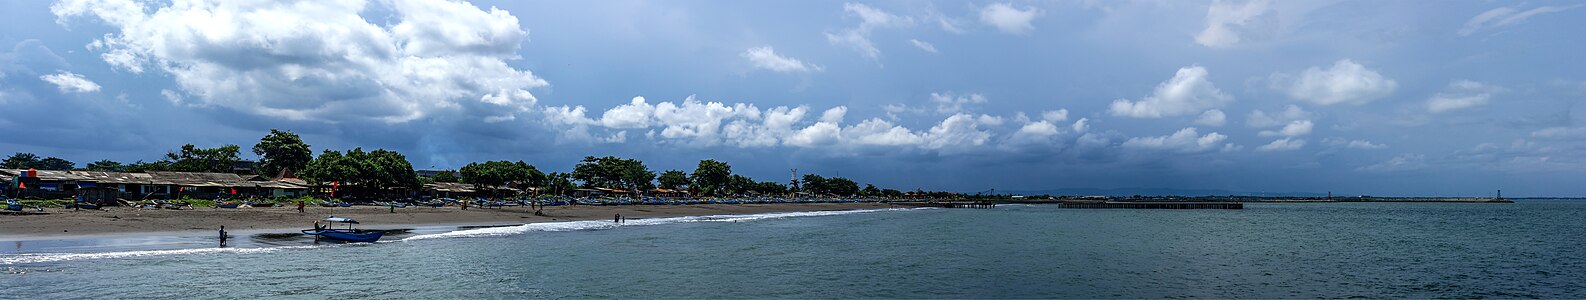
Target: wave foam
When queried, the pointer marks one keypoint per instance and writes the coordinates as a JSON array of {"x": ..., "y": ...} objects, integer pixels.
[
  {"x": 598, "y": 225},
  {"x": 54, "y": 257}
]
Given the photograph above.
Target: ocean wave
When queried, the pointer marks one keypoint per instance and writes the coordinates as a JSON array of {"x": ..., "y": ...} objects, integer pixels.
[
  {"x": 12, "y": 259},
  {"x": 598, "y": 225}
]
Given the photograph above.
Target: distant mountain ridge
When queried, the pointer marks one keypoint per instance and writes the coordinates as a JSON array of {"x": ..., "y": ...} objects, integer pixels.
[{"x": 1125, "y": 192}]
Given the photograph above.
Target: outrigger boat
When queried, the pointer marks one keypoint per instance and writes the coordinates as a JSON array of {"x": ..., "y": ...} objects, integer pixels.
[{"x": 345, "y": 235}]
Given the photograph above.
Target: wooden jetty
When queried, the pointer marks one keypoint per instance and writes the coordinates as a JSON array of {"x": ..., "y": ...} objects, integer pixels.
[{"x": 1152, "y": 205}]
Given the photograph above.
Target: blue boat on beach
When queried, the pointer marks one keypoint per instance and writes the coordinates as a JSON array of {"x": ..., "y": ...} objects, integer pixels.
[{"x": 346, "y": 235}]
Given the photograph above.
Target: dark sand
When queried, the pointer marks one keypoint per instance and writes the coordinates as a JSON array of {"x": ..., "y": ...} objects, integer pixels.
[{"x": 66, "y": 223}]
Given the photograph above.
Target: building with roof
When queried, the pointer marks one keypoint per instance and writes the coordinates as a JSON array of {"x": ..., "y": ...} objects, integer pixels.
[{"x": 109, "y": 186}]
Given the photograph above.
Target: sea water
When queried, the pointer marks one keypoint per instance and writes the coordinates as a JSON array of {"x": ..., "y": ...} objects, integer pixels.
[{"x": 1267, "y": 250}]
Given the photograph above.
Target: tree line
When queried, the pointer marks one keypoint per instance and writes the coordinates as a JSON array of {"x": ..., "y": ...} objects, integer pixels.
[{"x": 382, "y": 172}]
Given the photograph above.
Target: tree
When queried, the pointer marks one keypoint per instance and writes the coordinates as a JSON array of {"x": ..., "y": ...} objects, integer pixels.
[
  {"x": 673, "y": 179},
  {"x": 560, "y": 183},
  {"x": 330, "y": 166},
  {"x": 194, "y": 159},
  {"x": 814, "y": 184},
  {"x": 444, "y": 176},
  {"x": 364, "y": 172},
  {"x": 141, "y": 166},
  {"x": 54, "y": 163},
  {"x": 107, "y": 166},
  {"x": 770, "y": 188},
  {"x": 611, "y": 171},
  {"x": 282, "y": 150},
  {"x": 870, "y": 190},
  {"x": 20, "y": 161},
  {"x": 841, "y": 186},
  {"x": 711, "y": 177}
]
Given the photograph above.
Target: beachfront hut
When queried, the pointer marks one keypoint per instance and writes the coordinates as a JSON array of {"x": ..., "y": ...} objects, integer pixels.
[
  {"x": 450, "y": 190},
  {"x": 660, "y": 192},
  {"x": 588, "y": 193}
]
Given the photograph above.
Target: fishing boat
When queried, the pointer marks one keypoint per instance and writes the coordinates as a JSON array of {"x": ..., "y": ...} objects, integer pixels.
[
  {"x": 13, "y": 205},
  {"x": 346, "y": 235}
]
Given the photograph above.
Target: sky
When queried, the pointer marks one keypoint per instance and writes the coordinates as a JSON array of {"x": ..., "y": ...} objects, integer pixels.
[{"x": 1391, "y": 98}]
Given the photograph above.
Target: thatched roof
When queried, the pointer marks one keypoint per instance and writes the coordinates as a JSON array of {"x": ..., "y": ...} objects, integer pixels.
[
  {"x": 160, "y": 177},
  {"x": 450, "y": 187}
]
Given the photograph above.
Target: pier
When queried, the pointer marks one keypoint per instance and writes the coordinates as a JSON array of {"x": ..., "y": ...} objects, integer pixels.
[{"x": 1152, "y": 205}]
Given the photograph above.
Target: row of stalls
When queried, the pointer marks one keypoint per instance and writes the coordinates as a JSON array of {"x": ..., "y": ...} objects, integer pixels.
[{"x": 107, "y": 187}]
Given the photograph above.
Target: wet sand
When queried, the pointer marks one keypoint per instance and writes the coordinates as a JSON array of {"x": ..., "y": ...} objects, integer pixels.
[{"x": 66, "y": 223}]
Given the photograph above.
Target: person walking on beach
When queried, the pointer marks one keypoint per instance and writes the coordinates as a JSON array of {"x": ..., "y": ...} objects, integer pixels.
[
  {"x": 617, "y": 219},
  {"x": 299, "y": 206}
]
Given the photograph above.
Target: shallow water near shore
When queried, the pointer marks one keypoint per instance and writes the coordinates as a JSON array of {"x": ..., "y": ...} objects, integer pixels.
[{"x": 1268, "y": 250}]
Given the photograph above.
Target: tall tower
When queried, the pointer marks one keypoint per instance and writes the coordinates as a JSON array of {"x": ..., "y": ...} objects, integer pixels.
[{"x": 794, "y": 182}]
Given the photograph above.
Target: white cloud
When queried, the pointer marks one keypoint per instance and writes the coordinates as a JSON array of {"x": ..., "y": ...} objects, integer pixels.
[
  {"x": 1009, "y": 19},
  {"x": 69, "y": 82},
  {"x": 871, "y": 18},
  {"x": 172, "y": 96},
  {"x": 949, "y": 103},
  {"x": 636, "y": 114},
  {"x": 766, "y": 58},
  {"x": 927, "y": 47},
  {"x": 1403, "y": 162},
  {"x": 1291, "y": 113},
  {"x": 1507, "y": 16},
  {"x": 1225, "y": 20},
  {"x": 1082, "y": 125},
  {"x": 1293, "y": 129},
  {"x": 1055, "y": 116},
  {"x": 323, "y": 60},
  {"x": 834, "y": 115},
  {"x": 957, "y": 131},
  {"x": 1461, "y": 94},
  {"x": 1346, "y": 82},
  {"x": 1187, "y": 92},
  {"x": 881, "y": 133},
  {"x": 1562, "y": 133},
  {"x": 818, "y": 134},
  {"x": 1213, "y": 118},
  {"x": 1186, "y": 140},
  {"x": 1284, "y": 144},
  {"x": 1353, "y": 144}
]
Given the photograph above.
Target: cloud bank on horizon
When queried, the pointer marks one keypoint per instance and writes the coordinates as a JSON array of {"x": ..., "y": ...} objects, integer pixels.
[{"x": 1354, "y": 97}]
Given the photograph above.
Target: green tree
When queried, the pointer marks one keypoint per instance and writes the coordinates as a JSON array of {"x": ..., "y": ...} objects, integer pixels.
[
  {"x": 373, "y": 172},
  {"x": 814, "y": 184},
  {"x": 107, "y": 166},
  {"x": 841, "y": 186},
  {"x": 870, "y": 190},
  {"x": 55, "y": 163},
  {"x": 194, "y": 159},
  {"x": 20, "y": 161},
  {"x": 673, "y": 179},
  {"x": 614, "y": 172},
  {"x": 330, "y": 166},
  {"x": 141, "y": 166},
  {"x": 444, "y": 176},
  {"x": 560, "y": 183},
  {"x": 770, "y": 188},
  {"x": 711, "y": 177},
  {"x": 282, "y": 150}
]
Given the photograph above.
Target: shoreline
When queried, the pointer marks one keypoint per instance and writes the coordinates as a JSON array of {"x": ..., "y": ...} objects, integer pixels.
[{"x": 121, "y": 221}]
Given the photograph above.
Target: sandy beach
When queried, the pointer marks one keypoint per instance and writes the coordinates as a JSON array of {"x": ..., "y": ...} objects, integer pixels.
[{"x": 66, "y": 223}]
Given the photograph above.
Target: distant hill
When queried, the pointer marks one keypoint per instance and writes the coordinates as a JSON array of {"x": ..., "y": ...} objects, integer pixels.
[{"x": 1124, "y": 192}]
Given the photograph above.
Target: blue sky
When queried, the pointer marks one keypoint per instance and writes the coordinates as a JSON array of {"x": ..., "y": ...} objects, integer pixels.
[{"x": 1354, "y": 97}]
